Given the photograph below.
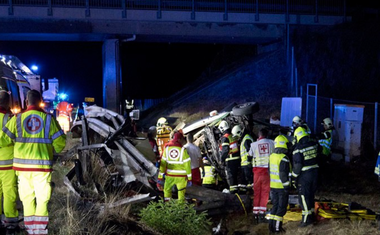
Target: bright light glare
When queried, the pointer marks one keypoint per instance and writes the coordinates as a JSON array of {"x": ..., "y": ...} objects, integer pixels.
[
  {"x": 62, "y": 96},
  {"x": 34, "y": 67}
]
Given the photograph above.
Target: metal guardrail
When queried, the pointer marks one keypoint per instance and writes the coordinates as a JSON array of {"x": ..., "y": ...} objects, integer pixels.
[{"x": 306, "y": 7}]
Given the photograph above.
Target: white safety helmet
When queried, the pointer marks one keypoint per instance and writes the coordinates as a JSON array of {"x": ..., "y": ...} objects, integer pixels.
[
  {"x": 206, "y": 161},
  {"x": 237, "y": 131},
  {"x": 162, "y": 121},
  {"x": 223, "y": 126},
  {"x": 327, "y": 122}
]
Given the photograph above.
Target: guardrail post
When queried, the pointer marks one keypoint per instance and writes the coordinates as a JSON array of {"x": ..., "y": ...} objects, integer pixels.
[
  {"x": 316, "y": 20},
  {"x": 88, "y": 8},
  {"x": 225, "y": 15},
  {"x": 375, "y": 128},
  {"x": 257, "y": 18},
  {"x": 124, "y": 6},
  {"x": 159, "y": 10},
  {"x": 193, "y": 10},
  {"x": 10, "y": 8},
  {"x": 50, "y": 9}
]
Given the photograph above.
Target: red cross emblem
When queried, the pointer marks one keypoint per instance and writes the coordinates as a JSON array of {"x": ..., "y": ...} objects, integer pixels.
[
  {"x": 33, "y": 124},
  {"x": 264, "y": 148},
  {"x": 173, "y": 153}
]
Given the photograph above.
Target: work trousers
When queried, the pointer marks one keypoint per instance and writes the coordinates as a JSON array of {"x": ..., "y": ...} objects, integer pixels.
[
  {"x": 261, "y": 189},
  {"x": 232, "y": 171},
  {"x": 8, "y": 189},
  {"x": 247, "y": 178},
  {"x": 64, "y": 122},
  {"x": 35, "y": 192},
  {"x": 307, "y": 185},
  {"x": 279, "y": 199},
  {"x": 180, "y": 182}
]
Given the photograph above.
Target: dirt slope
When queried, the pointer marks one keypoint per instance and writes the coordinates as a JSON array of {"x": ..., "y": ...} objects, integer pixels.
[{"x": 263, "y": 79}]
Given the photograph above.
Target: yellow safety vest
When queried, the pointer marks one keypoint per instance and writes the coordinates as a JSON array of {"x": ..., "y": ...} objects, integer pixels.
[
  {"x": 210, "y": 175},
  {"x": 326, "y": 144},
  {"x": 244, "y": 152},
  {"x": 274, "y": 164},
  {"x": 233, "y": 147},
  {"x": 36, "y": 135},
  {"x": 6, "y": 152},
  {"x": 175, "y": 162}
]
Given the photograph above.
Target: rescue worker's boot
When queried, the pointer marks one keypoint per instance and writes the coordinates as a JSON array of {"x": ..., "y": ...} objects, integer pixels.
[
  {"x": 278, "y": 227},
  {"x": 255, "y": 219},
  {"x": 262, "y": 219},
  {"x": 308, "y": 222},
  {"x": 271, "y": 226}
]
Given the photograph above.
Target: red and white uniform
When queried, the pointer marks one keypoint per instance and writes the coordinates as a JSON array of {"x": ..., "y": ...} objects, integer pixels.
[{"x": 260, "y": 151}]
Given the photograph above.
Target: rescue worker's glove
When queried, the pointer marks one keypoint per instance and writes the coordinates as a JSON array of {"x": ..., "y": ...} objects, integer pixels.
[
  {"x": 160, "y": 185},
  {"x": 204, "y": 173},
  {"x": 189, "y": 183}
]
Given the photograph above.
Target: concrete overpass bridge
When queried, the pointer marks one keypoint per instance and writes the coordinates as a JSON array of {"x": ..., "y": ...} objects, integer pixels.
[{"x": 188, "y": 21}]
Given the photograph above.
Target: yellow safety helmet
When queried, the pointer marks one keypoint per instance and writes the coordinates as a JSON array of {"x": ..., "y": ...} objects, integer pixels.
[
  {"x": 237, "y": 131},
  {"x": 161, "y": 122},
  {"x": 223, "y": 126},
  {"x": 300, "y": 133},
  {"x": 281, "y": 142}
]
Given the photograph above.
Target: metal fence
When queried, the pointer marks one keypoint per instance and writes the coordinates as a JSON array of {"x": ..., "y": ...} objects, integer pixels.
[
  {"x": 308, "y": 7},
  {"x": 317, "y": 108}
]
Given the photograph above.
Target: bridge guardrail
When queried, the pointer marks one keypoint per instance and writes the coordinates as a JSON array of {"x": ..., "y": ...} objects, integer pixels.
[{"x": 307, "y": 7}]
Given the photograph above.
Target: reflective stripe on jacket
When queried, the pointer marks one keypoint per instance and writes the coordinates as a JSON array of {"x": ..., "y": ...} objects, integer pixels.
[
  {"x": 6, "y": 153},
  {"x": 274, "y": 167},
  {"x": 260, "y": 151},
  {"x": 35, "y": 135},
  {"x": 210, "y": 175},
  {"x": 175, "y": 162}
]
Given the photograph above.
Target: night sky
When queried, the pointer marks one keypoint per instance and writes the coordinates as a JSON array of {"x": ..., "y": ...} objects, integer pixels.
[{"x": 149, "y": 70}]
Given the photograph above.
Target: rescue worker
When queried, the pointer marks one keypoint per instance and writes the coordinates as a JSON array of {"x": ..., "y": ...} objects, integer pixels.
[
  {"x": 325, "y": 141},
  {"x": 163, "y": 133},
  {"x": 153, "y": 143},
  {"x": 176, "y": 166},
  {"x": 230, "y": 156},
  {"x": 279, "y": 170},
  {"x": 260, "y": 151},
  {"x": 246, "y": 160},
  {"x": 35, "y": 135},
  {"x": 210, "y": 177},
  {"x": 305, "y": 173},
  {"x": 325, "y": 138},
  {"x": 64, "y": 110},
  {"x": 8, "y": 179},
  {"x": 196, "y": 160}
]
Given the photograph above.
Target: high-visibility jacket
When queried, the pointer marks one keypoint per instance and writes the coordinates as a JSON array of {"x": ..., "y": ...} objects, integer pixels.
[
  {"x": 245, "y": 161},
  {"x": 64, "y": 109},
  {"x": 163, "y": 137},
  {"x": 260, "y": 151},
  {"x": 175, "y": 162},
  {"x": 326, "y": 144},
  {"x": 230, "y": 143},
  {"x": 6, "y": 152},
  {"x": 210, "y": 175},
  {"x": 279, "y": 168},
  {"x": 36, "y": 135},
  {"x": 305, "y": 156}
]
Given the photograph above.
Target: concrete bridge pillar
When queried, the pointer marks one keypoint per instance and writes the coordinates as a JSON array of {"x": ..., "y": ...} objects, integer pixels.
[{"x": 111, "y": 75}]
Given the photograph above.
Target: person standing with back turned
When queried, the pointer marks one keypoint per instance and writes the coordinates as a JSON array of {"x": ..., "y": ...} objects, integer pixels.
[
  {"x": 260, "y": 151},
  {"x": 8, "y": 179},
  {"x": 35, "y": 135}
]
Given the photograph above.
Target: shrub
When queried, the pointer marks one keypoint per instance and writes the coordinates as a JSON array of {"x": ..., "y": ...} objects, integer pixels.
[{"x": 173, "y": 218}]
